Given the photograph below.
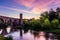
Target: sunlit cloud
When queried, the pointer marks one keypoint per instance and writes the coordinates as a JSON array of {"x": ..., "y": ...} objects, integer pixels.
[
  {"x": 38, "y": 11},
  {"x": 28, "y": 7},
  {"x": 38, "y": 6}
]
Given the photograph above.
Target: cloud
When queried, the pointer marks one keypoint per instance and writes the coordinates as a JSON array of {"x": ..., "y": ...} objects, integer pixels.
[
  {"x": 16, "y": 9},
  {"x": 55, "y": 3},
  {"x": 27, "y": 3},
  {"x": 26, "y": 14},
  {"x": 38, "y": 6}
]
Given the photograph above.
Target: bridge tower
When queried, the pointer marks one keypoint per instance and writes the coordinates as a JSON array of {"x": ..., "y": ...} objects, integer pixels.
[{"x": 21, "y": 19}]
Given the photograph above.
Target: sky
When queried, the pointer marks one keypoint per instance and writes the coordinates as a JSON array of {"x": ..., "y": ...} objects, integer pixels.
[{"x": 29, "y": 8}]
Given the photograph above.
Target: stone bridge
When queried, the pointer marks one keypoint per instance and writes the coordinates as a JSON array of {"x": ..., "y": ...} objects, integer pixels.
[{"x": 9, "y": 19}]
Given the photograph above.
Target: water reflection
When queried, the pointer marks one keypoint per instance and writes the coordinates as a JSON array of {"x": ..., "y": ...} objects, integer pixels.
[
  {"x": 34, "y": 36},
  {"x": 8, "y": 29},
  {"x": 51, "y": 36},
  {"x": 42, "y": 35},
  {"x": 0, "y": 31},
  {"x": 3, "y": 30},
  {"x": 30, "y": 35},
  {"x": 39, "y": 35},
  {"x": 25, "y": 31},
  {"x": 21, "y": 34}
]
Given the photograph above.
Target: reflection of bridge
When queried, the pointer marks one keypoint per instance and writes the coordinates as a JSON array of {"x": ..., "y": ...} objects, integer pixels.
[{"x": 6, "y": 19}]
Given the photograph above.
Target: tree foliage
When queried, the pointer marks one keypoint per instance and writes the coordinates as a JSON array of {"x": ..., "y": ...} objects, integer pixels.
[{"x": 48, "y": 20}]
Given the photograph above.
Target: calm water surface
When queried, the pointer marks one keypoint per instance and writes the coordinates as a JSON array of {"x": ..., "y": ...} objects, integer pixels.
[{"x": 29, "y": 35}]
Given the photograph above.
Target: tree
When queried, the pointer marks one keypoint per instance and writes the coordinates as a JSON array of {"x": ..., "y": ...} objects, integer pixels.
[
  {"x": 26, "y": 26},
  {"x": 6, "y": 38},
  {"x": 54, "y": 23},
  {"x": 44, "y": 20},
  {"x": 58, "y": 10},
  {"x": 35, "y": 25},
  {"x": 52, "y": 14},
  {"x": 47, "y": 24}
]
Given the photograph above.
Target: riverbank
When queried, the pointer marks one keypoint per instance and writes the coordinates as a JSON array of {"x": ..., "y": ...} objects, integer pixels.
[{"x": 6, "y": 38}]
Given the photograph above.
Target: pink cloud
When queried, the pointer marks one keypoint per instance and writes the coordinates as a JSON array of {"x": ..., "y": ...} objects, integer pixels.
[
  {"x": 27, "y": 3},
  {"x": 55, "y": 2},
  {"x": 42, "y": 6},
  {"x": 39, "y": 6}
]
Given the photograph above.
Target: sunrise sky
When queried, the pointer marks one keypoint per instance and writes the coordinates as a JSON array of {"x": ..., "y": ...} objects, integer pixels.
[{"x": 29, "y": 8}]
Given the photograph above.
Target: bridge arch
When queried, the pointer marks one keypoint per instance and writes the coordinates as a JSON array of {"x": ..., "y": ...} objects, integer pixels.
[{"x": 1, "y": 20}]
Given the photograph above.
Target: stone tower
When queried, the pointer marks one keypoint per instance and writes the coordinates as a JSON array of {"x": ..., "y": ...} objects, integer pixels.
[{"x": 21, "y": 19}]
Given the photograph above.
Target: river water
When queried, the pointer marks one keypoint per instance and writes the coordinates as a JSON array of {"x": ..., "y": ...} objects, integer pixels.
[{"x": 30, "y": 35}]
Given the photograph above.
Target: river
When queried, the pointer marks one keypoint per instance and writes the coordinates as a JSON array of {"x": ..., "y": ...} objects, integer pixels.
[{"x": 30, "y": 35}]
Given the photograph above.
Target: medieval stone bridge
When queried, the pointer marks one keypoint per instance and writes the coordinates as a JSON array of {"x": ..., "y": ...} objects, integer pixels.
[{"x": 10, "y": 21}]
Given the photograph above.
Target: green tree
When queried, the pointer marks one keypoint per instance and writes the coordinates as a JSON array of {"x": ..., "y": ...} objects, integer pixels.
[
  {"x": 55, "y": 23},
  {"x": 47, "y": 24},
  {"x": 44, "y": 20},
  {"x": 2, "y": 38},
  {"x": 9, "y": 38},
  {"x": 5, "y": 38},
  {"x": 35, "y": 25}
]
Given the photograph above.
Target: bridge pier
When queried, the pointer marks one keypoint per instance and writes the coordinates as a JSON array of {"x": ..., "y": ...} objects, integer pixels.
[
  {"x": 13, "y": 29},
  {"x": 4, "y": 31}
]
